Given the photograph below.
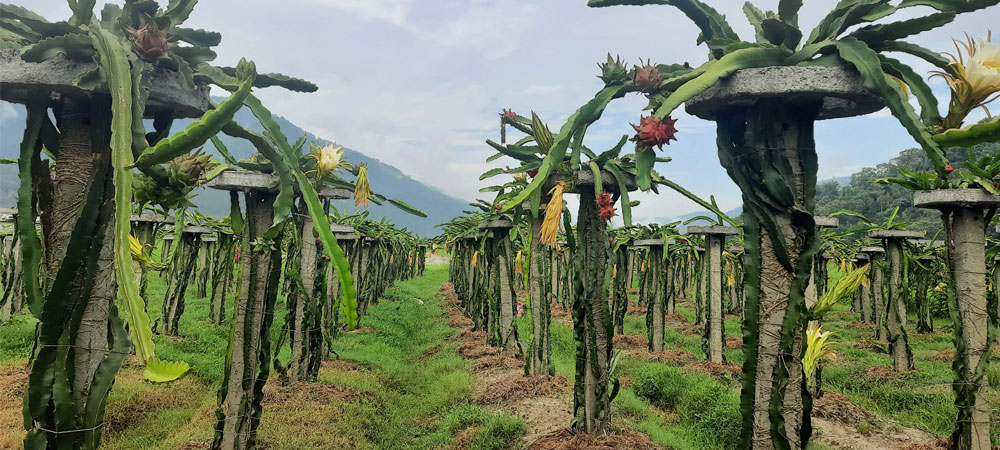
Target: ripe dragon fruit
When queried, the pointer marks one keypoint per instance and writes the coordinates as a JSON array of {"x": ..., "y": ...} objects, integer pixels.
[
  {"x": 148, "y": 41},
  {"x": 604, "y": 199},
  {"x": 647, "y": 78},
  {"x": 607, "y": 212},
  {"x": 654, "y": 132},
  {"x": 509, "y": 114}
]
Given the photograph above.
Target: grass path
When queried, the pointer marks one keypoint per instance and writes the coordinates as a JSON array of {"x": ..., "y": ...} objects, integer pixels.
[{"x": 398, "y": 385}]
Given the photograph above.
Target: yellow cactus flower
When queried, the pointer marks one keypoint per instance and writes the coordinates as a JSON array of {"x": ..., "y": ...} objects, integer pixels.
[
  {"x": 553, "y": 214},
  {"x": 817, "y": 347},
  {"x": 329, "y": 158},
  {"x": 519, "y": 262},
  {"x": 973, "y": 83},
  {"x": 475, "y": 258}
]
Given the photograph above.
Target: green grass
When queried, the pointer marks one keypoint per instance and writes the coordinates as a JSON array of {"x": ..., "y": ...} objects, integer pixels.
[{"x": 410, "y": 389}]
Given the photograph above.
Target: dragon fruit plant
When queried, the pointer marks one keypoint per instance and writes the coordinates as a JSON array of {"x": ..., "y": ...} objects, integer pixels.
[
  {"x": 971, "y": 195},
  {"x": 555, "y": 165},
  {"x": 110, "y": 72},
  {"x": 777, "y": 173}
]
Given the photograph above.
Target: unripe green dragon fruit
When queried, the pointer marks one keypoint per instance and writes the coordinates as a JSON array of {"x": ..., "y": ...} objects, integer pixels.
[
  {"x": 613, "y": 72},
  {"x": 186, "y": 170}
]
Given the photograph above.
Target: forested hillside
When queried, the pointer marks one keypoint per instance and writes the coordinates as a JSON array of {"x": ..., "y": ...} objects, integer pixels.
[{"x": 877, "y": 201}]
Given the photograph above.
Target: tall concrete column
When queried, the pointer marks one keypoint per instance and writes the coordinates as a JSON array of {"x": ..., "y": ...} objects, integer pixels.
[
  {"x": 895, "y": 322},
  {"x": 715, "y": 237}
]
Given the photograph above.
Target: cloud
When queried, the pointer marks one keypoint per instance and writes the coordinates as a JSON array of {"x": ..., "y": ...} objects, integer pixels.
[{"x": 419, "y": 84}]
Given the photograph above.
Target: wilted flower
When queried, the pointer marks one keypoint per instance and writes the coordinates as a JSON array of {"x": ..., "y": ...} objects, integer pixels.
[
  {"x": 509, "y": 114},
  {"x": 362, "y": 190},
  {"x": 553, "y": 212},
  {"x": 520, "y": 308}
]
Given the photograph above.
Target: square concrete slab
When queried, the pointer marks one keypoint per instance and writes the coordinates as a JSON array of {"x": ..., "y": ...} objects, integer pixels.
[
  {"x": 952, "y": 198},
  {"x": 827, "y": 221},
  {"x": 499, "y": 224},
  {"x": 243, "y": 180},
  {"x": 896, "y": 234},
  {"x": 712, "y": 229},
  {"x": 842, "y": 91}
]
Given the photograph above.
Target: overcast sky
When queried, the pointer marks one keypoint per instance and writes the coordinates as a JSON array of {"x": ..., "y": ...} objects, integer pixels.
[{"x": 419, "y": 84}]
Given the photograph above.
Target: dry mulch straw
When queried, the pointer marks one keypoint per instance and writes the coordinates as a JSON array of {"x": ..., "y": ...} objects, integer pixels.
[
  {"x": 859, "y": 324},
  {"x": 715, "y": 369},
  {"x": 946, "y": 355},
  {"x": 470, "y": 335},
  {"x": 502, "y": 361},
  {"x": 674, "y": 357},
  {"x": 517, "y": 387},
  {"x": 568, "y": 440},
  {"x": 13, "y": 380},
  {"x": 837, "y": 407},
  {"x": 477, "y": 350},
  {"x": 676, "y": 317},
  {"x": 302, "y": 391},
  {"x": 339, "y": 364},
  {"x": 635, "y": 309},
  {"x": 625, "y": 341},
  {"x": 692, "y": 329},
  {"x": 733, "y": 342},
  {"x": 460, "y": 322}
]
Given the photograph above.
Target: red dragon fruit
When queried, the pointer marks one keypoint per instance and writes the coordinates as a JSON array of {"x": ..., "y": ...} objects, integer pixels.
[
  {"x": 647, "y": 78},
  {"x": 654, "y": 132}
]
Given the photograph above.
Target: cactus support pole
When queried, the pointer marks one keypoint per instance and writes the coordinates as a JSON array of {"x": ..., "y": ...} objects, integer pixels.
[{"x": 965, "y": 213}]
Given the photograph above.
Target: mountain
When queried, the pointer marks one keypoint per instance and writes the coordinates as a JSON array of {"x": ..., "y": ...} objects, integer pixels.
[
  {"x": 385, "y": 179},
  {"x": 733, "y": 213}
]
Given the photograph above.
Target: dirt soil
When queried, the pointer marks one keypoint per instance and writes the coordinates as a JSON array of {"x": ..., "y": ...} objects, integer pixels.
[
  {"x": 437, "y": 258},
  {"x": 847, "y": 437},
  {"x": 568, "y": 440}
]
